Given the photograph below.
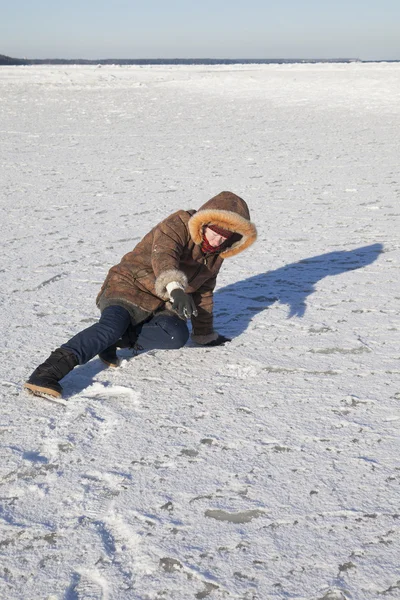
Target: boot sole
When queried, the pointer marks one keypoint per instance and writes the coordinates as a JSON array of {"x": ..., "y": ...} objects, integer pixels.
[
  {"x": 109, "y": 364},
  {"x": 44, "y": 392}
]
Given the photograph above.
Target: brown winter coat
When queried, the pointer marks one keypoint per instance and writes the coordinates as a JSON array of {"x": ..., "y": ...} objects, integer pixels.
[{"x": 171, "y": 251}]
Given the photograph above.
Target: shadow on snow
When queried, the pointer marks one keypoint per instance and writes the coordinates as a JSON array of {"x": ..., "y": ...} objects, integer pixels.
[{"x": 237, "y": 303}]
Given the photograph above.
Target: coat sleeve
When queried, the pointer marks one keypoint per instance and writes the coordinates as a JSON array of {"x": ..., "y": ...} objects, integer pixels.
[
  {"x": 203, "y": 331},
  {"x": 169, "y": 240}
]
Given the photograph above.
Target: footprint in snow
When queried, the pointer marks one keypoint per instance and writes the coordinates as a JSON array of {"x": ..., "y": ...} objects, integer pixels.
[
  {"x": 98, "y": 500},
  {"x": 90, "y": 585}
]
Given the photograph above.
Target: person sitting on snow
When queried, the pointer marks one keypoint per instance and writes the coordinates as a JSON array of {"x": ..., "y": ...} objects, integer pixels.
[{"x": 167, "y": 278}]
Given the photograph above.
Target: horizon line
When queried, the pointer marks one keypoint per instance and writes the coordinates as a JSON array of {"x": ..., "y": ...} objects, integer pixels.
[{"x": 9, "y": 59}]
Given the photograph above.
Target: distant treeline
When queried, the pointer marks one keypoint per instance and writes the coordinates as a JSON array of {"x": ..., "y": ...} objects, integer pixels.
[{"x": 7, "y": 60}]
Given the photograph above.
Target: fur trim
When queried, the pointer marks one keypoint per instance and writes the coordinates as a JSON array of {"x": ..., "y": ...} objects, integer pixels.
[
  {"x": 204, "y": 339},
  {"x": 167, "y": 277},
  {"x": 228, "y": 220}
]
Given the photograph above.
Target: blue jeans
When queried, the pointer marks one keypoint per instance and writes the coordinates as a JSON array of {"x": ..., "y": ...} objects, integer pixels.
[{"x": 164, "y": 330}]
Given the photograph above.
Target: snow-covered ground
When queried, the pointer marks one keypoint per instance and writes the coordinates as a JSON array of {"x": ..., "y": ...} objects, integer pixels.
[{"x": 265, "y": 469}]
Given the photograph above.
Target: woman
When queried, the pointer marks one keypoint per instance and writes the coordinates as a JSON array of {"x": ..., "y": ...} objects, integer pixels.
[{"x": 168, "y": 277}]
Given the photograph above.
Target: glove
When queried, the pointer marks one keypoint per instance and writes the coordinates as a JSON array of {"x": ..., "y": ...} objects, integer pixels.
[
  {"x": 220, "y": 341},
  {"x": 183, "y": 304}
]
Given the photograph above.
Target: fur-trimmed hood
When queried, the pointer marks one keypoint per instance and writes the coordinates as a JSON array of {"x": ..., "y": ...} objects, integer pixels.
[{"x": 230, "y": 212}]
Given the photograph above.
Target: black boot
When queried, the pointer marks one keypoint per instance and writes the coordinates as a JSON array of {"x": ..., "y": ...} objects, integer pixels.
[
  {"x": 128, "y": 340},
  {"x": 109, "y": 356},
  {"x": 44, "y": 380}
]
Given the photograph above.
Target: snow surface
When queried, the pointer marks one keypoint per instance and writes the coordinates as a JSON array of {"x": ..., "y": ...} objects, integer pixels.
[{"x": 268, "y": 468}]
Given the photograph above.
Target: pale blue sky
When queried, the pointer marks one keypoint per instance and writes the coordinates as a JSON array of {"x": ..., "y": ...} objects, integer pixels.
[{"x": 364, "y": 29}]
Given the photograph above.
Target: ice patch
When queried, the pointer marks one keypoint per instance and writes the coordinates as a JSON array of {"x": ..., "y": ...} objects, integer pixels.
[{"x": 238, "y": 517}]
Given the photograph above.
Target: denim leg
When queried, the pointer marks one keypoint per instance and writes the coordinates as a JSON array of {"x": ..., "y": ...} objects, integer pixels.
[
  {"x": 112, "y": 325},
  {"x": 165, "y": 331}
]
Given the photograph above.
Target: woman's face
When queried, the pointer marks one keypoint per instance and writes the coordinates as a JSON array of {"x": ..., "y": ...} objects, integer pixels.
[{"x": 214, "y": 239}]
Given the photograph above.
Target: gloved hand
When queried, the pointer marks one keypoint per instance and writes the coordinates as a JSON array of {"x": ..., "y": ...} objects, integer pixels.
[
  {"x": 220, "y": 341},
  {"x": 183, "y": 304}
]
